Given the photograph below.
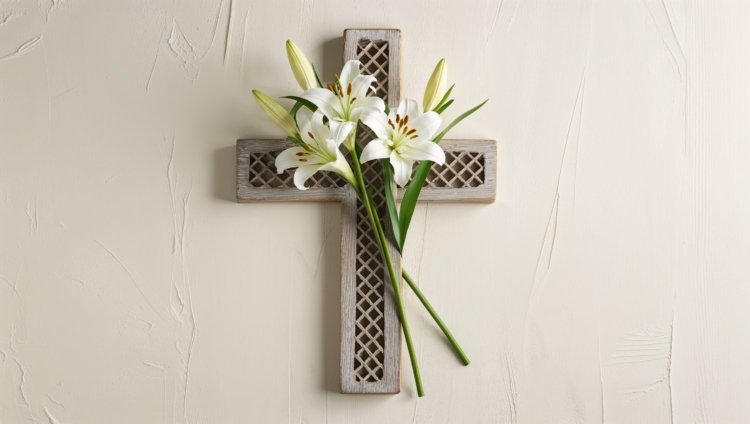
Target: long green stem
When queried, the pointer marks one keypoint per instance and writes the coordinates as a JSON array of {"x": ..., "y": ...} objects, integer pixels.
[
  {"x": 431, "y": 310},
  {"x": 374, "y": 220},
  {"x": 436, "y": 317}
]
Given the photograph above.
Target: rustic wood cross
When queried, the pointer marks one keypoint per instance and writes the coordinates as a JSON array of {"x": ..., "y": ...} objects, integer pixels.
[{"x": 370, "y": 330}]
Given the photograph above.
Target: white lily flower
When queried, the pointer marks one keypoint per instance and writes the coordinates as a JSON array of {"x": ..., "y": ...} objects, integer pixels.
[
  {"x": 346, "y": 100},
  {"x": 319, "y": 151},
  {"x": 404, "y": 136}
]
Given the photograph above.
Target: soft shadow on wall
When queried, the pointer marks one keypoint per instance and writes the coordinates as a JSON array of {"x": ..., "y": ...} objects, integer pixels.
[
  {"x": 333, "y": 58},
  {"x": 224, "y": 188}
]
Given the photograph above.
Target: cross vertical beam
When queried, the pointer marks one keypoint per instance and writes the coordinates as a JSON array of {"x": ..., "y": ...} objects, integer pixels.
[{"x": 371, "y": 337}]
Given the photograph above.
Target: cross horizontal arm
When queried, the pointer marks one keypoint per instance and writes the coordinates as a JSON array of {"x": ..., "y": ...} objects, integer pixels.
[{"x": 469, "y": 175}]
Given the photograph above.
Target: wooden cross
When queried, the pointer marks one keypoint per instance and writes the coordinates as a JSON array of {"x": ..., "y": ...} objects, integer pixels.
[{"x": 370, "y": 329}]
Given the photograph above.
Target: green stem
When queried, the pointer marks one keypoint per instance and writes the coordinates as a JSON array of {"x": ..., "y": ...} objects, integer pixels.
[
  {"x": 374, "y": 220},
  {"x": 436, "y": 317},
  {"x": 433, "y": 313}
]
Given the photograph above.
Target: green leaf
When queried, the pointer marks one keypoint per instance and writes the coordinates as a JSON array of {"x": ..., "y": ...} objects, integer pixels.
[
  {"x": 411, "y": 194},
  {"x": 390, "y": 201},
  {"x": 296, "y": 141},
  {"x": 409, "y": 201},
  {"x": 456, "y": 121},
  {"x": 308, "y": 104},
  {"x": 445, "y": 97},
  {"x": 297, "y": 106},
  {"x": 300, "y": 102},
  {"x": 442, "y": 107}
]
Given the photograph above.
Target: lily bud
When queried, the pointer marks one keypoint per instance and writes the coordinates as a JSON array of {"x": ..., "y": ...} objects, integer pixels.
[
  {"x": 301, "y": 67},
  {"x": 435, "y": 86},
  {"x": 276, "y": 112}
]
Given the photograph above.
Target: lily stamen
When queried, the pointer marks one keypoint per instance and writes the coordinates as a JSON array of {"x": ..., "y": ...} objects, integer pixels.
[
  {"x": 400, "y": 143},
  {"x": 346, "y": 99}
]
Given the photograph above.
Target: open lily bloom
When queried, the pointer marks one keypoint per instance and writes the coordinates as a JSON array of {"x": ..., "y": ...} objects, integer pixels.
[
  {"x": 346, "y": 100},
  {"x": 319, "y": 150},
  {"x": 404, "y": 136}
]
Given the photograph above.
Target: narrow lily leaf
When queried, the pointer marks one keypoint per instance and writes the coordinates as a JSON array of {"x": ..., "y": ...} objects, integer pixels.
[
  {"x": 391, "y": 202},
  {"x": 445, "y": 97},
  {"x": 308, "y": 104},
  {"x": 409, "y": 201},
  {"x": 458, "y": 119},
  {"x": 442, "y": 108},
  {"x": 297, "y": 141},
  {"x": 297, "y": 106},
  {"x": 411, "y": 194}
]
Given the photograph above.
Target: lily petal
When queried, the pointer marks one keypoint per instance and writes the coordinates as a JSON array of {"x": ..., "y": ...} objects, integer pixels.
[
  {"x": 318, "y": 128},
  {"x": 304, "y": 116},
  {"x": 326, "y": 101},
  {"x": 341, "y": 167},
  {"x": 427, "y": 125},
  {"x": 305, "y": 122},
  {"x": 349, "y": 73},
  {"x": 290, "y": 158},
  {"x": 304, "y": 173},
  {"x": 376, "y": 149},
  {"x": 361, "y": 84},
  {"x": 340, "y": 130},
  {"x": 408, "y": 107},
  {"x": 423, "y": 150},
  {"x": 401, "y": 169},
  {"x": 366, "y": 105},
  {"x": 377, "y": 122}
]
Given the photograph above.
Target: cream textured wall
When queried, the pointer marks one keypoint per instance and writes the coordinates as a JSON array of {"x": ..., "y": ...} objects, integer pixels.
[{"x": 608, "y": 283}]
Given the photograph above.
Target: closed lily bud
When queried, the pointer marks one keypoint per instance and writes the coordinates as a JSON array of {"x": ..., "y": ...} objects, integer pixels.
[
  {"x": 276, "y": 112},
  {"x": 301, "y": 67},
  {"x": 436, "y": 86}
]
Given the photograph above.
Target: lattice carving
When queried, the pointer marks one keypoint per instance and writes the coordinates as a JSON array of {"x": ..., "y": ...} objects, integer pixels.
[
  {"x": 374, "y": 57},
  {"x": 369, "y": 332},
  {"x": 369, "y": 335},
  {"x": 462, "y": 169},
  {"x": 262, "y": 174}
]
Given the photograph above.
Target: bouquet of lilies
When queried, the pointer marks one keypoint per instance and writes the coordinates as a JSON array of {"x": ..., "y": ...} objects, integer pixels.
[{"x": 323, "y": 124}]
